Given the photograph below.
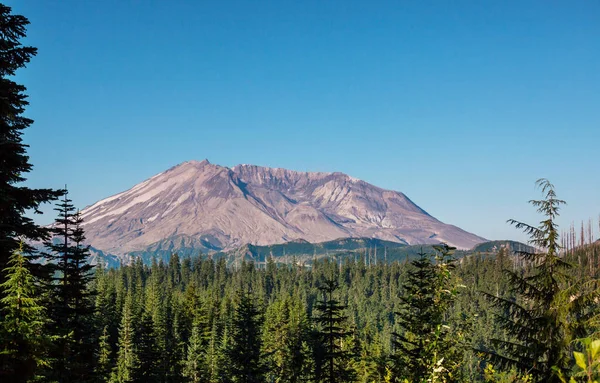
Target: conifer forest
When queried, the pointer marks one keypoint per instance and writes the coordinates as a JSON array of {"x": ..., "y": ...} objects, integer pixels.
[{"x": 441, "y": 316}]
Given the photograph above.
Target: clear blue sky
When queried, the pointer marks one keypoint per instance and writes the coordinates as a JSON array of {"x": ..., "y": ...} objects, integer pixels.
[{"x": 461, "y": 105}]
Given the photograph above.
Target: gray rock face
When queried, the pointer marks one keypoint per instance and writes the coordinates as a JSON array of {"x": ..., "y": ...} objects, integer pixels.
[{"x": 212, "y": 207}]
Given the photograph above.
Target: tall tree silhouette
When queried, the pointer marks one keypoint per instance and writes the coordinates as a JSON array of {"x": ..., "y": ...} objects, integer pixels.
[
  {"x": 332, "y": 361},
  {"x": 16, "y": 199},
  {"x": 246, "y": 364},
  {"x": 71, "y": 305}
]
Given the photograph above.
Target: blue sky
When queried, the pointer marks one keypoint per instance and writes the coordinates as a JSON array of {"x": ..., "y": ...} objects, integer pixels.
[{"x": 461, "y": 105}]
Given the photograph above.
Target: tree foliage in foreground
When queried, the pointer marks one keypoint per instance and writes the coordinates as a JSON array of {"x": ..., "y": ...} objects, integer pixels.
[
  {"x": 428, "y": 349},
  {"x": 15, "y": 198},
  {"x": 24, "y": 344},
  {"x": 550, "y": 308}
]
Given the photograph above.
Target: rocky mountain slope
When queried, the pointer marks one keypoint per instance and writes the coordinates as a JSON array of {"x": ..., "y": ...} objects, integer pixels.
[{"x": 207, "y": 207}]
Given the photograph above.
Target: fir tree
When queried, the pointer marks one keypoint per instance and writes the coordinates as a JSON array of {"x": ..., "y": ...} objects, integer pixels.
[
  {"x": 427, "y": 349},
  {"x": 332, "y": 360},
  {"x": 147, "y": 351},
  {"x": 107, "y": 314},
  {"x": 551, "y": 309},
  {"x": 16, "y": 199},
  {"x": 23, "y": 346},
  {"x": 196, "y": 368},
  {"x": 215, "y": 354},
  {"x": 71, "y": 306},
  {"x": 286, "y": 337},
  {"x": 127, "y": 356},
  {"x": 243, "y": 352},
  {"x": 104, "y": 362}
]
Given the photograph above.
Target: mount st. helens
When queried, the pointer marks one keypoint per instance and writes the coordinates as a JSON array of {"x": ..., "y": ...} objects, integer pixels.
[{"x": 207, "y": 207}]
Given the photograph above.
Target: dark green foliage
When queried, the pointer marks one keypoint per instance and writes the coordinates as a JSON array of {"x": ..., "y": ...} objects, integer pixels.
[
  {"x": 206, "y": 297},
  {"x": 332, "y": 361},
  {"x": 24, "y": 343},
  {"x": 71, "y": 304},
  {"x": 550, "y": 309},
  {"x": 127, "y": 357},
  {"x": 197, "y": 362},
  {"x": 428, "y": 349},
  {"x": 147, "y": 369},
  {"x": 15, "y": 200},
  {"x": 244, "y": 357}
]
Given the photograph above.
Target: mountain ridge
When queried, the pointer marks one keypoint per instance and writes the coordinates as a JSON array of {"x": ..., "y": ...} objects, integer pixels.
[{"x": 219, "y": 208}]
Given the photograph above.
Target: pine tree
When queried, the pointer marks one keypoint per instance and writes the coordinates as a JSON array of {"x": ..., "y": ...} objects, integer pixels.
[
  {"x": 82, "y": 309},
  {"x": 107, "y": 312},
  {"x": 24, "y": 344},
  {"x": 178, "y": 341},
  {"x": 148, "y": 356},
  {"x": 104, "y": 362},
  {"x": 71, "y": 307},
  {"x": 551, "y": 309},
  {"x": 16, "y": 199},
  {"x": 427, "y": 349},
  {"x": 215, "y": 354},
  {"x": 196, "y": 367},
  {"x": 286, "y": 336},
  {"x": 332, "y": 360},
  {"x": 243, "y": 353},
  {"x": 127, "y": 356}
]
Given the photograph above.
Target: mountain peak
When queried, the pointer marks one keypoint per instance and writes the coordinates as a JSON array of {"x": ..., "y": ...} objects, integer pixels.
[
  {"x": 195, "y": 163},
  {"x": 223, "y": 208}
]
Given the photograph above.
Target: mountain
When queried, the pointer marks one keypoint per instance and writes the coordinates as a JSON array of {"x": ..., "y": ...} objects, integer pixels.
[{"x": 199, "y": 206}]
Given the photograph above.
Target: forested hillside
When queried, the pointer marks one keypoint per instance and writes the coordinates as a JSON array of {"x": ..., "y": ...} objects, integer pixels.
[{"x": 194, "y": 306}]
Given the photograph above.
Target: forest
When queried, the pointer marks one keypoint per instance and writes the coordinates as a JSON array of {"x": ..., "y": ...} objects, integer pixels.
[{"x": 516, "y": 316}]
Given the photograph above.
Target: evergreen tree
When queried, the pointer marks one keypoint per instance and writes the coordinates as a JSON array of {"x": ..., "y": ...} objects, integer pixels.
[
  {"x": 127, "y": 356},
  {"x": 82, "y": 308},
  {"x": 551, "y": 309},
  {"x": 246, "y": 364},
  {"x": 71, "y": 306},
  {"x": 178, "y": 340},
  {"x": 16, "y": 199},
  {"x": 196, "y": 368},
  {"x": 215, "y": 354},
  {"x": 286, "y": 336},
  {"x": 104, "y": 362},
  {"x": 427, "y": 349},
  {"x": 148, "y": 356},
  {"x": 332, "y": 361},
  {"x": 107, "y": 312},
  {"x": 23, "y": 318}
]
